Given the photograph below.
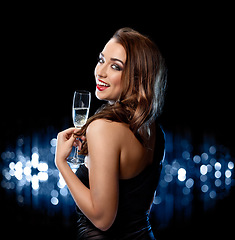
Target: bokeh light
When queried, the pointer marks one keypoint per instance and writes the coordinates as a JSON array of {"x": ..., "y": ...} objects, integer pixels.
[{"x": 29, "y": 171}]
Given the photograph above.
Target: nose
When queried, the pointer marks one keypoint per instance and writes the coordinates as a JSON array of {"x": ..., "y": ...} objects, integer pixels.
[{"x": 101, "y": 70}]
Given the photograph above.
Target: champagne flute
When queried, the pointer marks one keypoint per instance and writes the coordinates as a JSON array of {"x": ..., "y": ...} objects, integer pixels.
[{"x": 80, "y": 112}]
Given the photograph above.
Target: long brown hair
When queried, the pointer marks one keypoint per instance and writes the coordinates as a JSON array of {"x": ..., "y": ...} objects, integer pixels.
[{"x": 143, "y": 84}]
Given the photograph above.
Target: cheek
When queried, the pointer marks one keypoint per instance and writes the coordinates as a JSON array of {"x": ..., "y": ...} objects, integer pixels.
[{"x": 116, "y": 80}]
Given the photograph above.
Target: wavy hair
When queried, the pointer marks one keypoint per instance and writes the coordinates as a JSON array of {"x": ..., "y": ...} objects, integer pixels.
[{"x": 143, "y": 86}]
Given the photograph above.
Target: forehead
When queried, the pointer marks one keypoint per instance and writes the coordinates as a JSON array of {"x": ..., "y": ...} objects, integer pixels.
[{"x": 113, "y": 49}]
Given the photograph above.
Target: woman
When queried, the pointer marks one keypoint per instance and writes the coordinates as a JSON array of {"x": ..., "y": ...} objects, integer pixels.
[{"x": 124, "y": 147}]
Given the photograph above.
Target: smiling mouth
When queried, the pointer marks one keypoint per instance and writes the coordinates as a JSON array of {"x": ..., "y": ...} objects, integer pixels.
[{"x": 101, "y": 85}]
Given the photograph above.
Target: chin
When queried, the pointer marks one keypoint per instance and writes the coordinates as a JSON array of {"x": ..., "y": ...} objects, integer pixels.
[
  {"x": 98, "y": 95},
  {"x": 102, "y": 96}
]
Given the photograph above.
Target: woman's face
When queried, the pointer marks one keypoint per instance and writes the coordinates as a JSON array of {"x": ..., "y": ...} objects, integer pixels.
[{"x": 108, "y": 71}]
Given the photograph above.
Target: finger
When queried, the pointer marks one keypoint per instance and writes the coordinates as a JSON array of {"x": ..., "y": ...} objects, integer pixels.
[
  {"x": 77, "y": 131},
  {"x": 71, "y": 140},
  {"x": 66, "y": 134},
  {"x": 69, "y": 130},
  {"x": 76, "y": 134},
  {"x": 83, "y": 138}
]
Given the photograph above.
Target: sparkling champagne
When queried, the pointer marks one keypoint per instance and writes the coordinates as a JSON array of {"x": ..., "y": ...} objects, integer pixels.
[
  {"x": 80, "y": 116},
  {"x": 80, "y": 112}
]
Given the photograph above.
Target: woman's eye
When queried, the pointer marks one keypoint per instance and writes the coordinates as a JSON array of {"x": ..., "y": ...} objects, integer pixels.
[
  {"x": 100, "y": 60},
  {"x": 116, "y": 67}
]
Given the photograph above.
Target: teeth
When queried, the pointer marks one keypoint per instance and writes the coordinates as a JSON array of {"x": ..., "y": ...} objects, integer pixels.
[{"x": 102, "y": 84}]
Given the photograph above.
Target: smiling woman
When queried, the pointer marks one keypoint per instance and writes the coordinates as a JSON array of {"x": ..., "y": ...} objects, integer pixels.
[
  {"x": 108, "y": 71},
  {"x": 122, "y": 142}
]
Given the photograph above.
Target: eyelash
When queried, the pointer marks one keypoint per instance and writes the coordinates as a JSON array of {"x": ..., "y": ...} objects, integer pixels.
[
  {"x": 113, "y": 66},
  {"x": 100, "y": 60}
]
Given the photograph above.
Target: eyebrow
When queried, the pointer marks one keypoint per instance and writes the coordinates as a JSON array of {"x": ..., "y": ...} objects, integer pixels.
[{"x": 114, "y": 59}]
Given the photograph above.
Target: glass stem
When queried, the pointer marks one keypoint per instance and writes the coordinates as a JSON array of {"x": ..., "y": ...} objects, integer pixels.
[{"x": 76, "y": 155}]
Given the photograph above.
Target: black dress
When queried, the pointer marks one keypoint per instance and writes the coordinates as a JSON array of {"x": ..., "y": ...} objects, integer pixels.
[{"x": 135, "y": 197}]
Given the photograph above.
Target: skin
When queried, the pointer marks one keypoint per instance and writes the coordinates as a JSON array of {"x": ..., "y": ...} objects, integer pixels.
[
  {"x": 109, "y": 70},
  {"x": 114, "y": 151}
]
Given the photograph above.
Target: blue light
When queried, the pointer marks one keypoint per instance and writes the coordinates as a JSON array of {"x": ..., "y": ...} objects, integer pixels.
[
  {"x": 212, "y": 150},
  {"x": 35, "y": 182},
  {"x": 212, "y": 161},
  {"x": 217, "y": 166},
  {"x": 204, "y": 156},
  {"x": 42, "y": 166},
  {"x": 228, "y": 173},
  {"x": 228, "y": 181},
  {"x": 53, "y": 142},
  {"x": 54, "y": 201},
  {"x": 27, "y": 171},
  {"x": 230, "y": 165},
  {"x": 189, "y": 183},
  {"x": 212, "y": 194},
  {"x": 12, "y": 165},
  {"x": 30, "y": 172},
  {"x": 204, "y": 188},
  {"x": 209, "y": 168},
  {"x": 203, "y": 169},
  {"x": 168, "y": 178},
  {"x": 181, "y": 174},
  {"x": 18, "y": 170},
  {"x": 197, "y": 159},
  {"x": 218, "y": 182},
  {"x": 203, "y": 178},
  {"x": 186, "y": 191},
  {"x": 61, "y": 183},
  {"x": 218, "y": 174},
  {"x": 157, "y": 200},
  {"x": 186, "y": 155},
  {"x": 64, "y": 192},
  {"x": 35, "y": 160},
  {"x": 54, "y": 193},
  {"x": 43, "y": 176}
]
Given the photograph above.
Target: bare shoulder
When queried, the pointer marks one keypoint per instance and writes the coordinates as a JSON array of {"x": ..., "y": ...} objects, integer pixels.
[
  {"x": 106, "y": 127},
  {"x": 105, "y": 138}
]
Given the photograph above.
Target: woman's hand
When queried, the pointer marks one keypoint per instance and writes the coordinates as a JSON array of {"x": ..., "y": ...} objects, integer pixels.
[
  {"x": 99, "y": 202},
  {"x": 65, "y": 142}
]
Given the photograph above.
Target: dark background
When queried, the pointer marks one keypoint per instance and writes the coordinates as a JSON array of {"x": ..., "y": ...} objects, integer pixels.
[
  {"x": 46, "y": 56},
  {"x": 48, "y": 53}
]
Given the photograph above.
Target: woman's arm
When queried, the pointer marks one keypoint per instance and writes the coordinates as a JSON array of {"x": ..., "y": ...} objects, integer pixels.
[{"x": 100, "y": 202}]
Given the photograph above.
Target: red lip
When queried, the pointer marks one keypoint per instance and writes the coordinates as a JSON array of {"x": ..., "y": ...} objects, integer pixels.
[
  {"x": 101, "y": 88},
  {"x": 102, "y": 81}
]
